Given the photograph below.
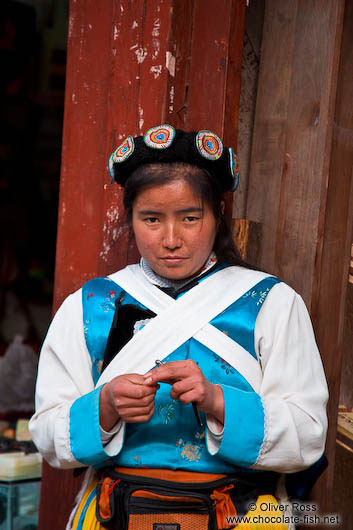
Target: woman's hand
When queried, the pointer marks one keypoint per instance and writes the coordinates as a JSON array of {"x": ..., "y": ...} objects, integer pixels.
[
  {"x": 189, "y": 385},
  {"x": 126, "y": 397}
]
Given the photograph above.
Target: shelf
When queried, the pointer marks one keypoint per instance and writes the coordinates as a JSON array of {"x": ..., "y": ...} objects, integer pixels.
[{"x": 345, "y": 430}]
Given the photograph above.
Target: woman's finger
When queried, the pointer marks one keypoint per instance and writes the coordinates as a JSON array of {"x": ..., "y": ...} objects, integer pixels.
[
  {"x": 172, "y": 372},
  {"x": 137, "y": 415},
  {"x": 184, "y": 397},
  {"x": 127, "y": 402},
  {"x": 133, "y": 390},
  {"x": 192, "y": 382}
]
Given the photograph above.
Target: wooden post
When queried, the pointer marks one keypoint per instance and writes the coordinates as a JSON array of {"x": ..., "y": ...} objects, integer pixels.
[
  {"x": 247, "y": 237},
  {"x": 300, "y": 178},
  {"x": 131, "y": 65},
  {"x": 332, "y": 270}
]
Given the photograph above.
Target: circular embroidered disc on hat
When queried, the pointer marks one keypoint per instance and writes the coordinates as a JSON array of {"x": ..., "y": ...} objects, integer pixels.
[
  {"x": 159, "y": 137},
  {"x": 209, "y": 145},
  {"x": 124, "y": 150},
  {"x": 234, "y": 168},
  {"x": 120, "y": 154}
]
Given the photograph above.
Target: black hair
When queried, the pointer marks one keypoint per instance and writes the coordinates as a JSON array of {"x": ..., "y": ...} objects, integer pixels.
[{"x": 204, "y": 186}]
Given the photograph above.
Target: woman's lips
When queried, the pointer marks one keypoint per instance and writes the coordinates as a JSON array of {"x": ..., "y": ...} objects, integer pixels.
[{"x": 173, "y": 260}]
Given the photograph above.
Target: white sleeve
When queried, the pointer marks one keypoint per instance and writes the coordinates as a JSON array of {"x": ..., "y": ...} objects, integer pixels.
[
  {"x": 65, "y": 426},
  {"x": 293, "y": 390},
  {"x": 107, "y": 436},
  {"x": 64, "y": 374}
]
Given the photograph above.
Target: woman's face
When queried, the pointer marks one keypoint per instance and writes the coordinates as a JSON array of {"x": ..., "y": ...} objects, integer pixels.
[{"x": 174, "y": 232}]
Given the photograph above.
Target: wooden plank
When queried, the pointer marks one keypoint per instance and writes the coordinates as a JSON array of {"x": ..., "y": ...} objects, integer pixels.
[
  {"x": 215, "y": 68},
  {"x": 345, "y": 424},
  {"x": 291, "y": 139},
  {"x": 267, "y": 159},
  {"x": 344, "y": 445},
  {"x": 249, "y": 83},
  {"x": 350, "y": 276},
  {"x": 201, "y": 49},
  {"x": 302, "y": 206},
  {"x": 84, "y": 136},
  {"x": 233, "y": 83},
  {"x": 331, "y": 288},
  {"x": 343, "y": 492},
  {"x": 208, "y": 65},
  {"x": 178, "y": 63},
  {"x": 153, "y": 72},
  {"x": 247, "y": 237},
  {"x": 346, "y": 394}
]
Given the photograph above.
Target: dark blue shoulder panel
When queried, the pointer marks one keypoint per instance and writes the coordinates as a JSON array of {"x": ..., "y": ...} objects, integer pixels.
[{"x": 98, "y": 304}]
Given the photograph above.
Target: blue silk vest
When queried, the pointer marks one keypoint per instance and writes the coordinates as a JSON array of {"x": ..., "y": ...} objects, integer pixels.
[{"x": 172, "y": 438}]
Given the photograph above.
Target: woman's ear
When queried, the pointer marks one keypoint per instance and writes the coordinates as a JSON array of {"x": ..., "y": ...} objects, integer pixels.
[{"x": 223, "y": 206}]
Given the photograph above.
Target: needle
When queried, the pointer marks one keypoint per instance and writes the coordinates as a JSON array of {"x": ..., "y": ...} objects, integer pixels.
[{"x": 194, "y": 405}]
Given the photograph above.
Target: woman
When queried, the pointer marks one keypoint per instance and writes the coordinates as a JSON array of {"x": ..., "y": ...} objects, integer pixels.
[{"x": 190, "y": 383}]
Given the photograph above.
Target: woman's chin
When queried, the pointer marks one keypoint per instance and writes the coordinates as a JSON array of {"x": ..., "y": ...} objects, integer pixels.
[{"x": 175, "y": 271}]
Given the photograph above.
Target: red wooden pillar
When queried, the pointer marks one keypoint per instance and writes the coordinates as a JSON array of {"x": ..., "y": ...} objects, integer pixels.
[{"x": 132, "y": 64}]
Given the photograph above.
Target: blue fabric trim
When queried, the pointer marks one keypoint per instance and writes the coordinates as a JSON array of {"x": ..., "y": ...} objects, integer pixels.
[
  {"x": 81, "y": 520},
  {"x": 85, "y": 438},
  {"x": 244, "y": 427}
]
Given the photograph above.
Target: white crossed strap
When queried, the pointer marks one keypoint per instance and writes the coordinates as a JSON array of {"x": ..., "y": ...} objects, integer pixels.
[{"x": 179, "y": 320}]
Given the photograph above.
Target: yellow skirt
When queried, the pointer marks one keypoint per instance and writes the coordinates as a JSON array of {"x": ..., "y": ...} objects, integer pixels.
[{"x": 264, "y": 515}]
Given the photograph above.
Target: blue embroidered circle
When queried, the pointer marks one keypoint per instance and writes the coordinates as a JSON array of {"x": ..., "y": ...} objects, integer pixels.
[
  {"x": 209, "y": 145},
  {"x": 121, "y": 153},
  {"x": 124, "y": 150},
  {"x": 159, "y": 137}
]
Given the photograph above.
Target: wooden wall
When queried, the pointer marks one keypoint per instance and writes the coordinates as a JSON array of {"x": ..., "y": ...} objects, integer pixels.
[
  {"x": 344, "y": 132},
  {"x": 343, "y": 483},
  {"x": 300, "y": 183}
]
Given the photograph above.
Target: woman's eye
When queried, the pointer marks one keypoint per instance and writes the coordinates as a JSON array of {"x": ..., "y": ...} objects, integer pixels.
[
  {"x": 191, "y": 218},
  {"x": 151, "y": 220}
]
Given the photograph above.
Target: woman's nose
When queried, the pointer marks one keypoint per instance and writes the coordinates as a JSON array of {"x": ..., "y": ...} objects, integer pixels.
[{"x": 171, "y": 238}]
